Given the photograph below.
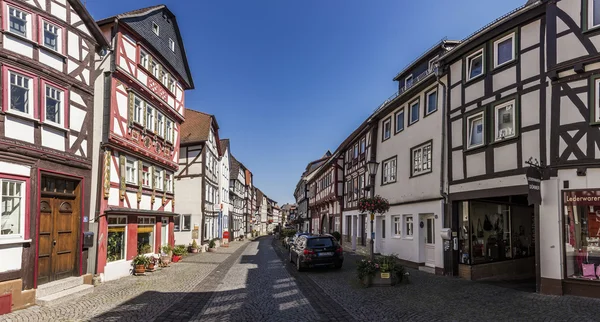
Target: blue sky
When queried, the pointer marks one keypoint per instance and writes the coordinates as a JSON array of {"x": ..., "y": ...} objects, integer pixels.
[{"x": 288, "y": 80}]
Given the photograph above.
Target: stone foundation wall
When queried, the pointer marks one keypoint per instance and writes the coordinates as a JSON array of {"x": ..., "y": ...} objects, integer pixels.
[{"x": 20, "y": 299}]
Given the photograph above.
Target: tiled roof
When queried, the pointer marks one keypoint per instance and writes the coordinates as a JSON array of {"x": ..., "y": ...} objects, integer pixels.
[
  {"x": 140, "y": 20},
  {"x": 196, "y": 127},
  {"x": 234, "y": 170},
  {"x": 224, "y": 143}
]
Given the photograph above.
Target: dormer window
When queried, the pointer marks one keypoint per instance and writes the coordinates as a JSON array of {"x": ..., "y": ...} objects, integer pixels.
[
  {"x": 18, "y": 21},
  {"x": 408, "y": 81},
  {"x": 172, "y": 45},
  {"x": 51, "y": 34},
  {"x": 155, "y": 28},
  {"x": 475, "y": 64}
]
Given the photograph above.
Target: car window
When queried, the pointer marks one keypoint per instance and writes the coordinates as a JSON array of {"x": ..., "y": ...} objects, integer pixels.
[{"x": 320, "y": 242}]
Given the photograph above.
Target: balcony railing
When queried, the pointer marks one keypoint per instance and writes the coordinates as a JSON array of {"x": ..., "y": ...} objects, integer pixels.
[{"x": 405, "y": 88}]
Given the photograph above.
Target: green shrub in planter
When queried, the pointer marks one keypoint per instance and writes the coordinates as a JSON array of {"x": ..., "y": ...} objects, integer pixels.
[
  {"x": 141, "y": 260},
  {"x": 179, "y": 250},
  {"x": 212, "y": 244}
]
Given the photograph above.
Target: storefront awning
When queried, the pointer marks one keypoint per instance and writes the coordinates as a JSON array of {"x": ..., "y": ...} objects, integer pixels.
[{"x": 140, "y": 212}]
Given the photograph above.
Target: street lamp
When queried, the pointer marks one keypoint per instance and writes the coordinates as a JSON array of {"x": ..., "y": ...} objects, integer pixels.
[{"x": 372, "y": 170}]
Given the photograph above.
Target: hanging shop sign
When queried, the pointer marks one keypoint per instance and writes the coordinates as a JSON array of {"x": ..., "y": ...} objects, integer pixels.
[{"x": 534, "y": 180}]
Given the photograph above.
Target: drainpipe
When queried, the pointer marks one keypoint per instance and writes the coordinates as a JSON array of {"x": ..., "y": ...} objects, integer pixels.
[{"x": 443, "y": 171}]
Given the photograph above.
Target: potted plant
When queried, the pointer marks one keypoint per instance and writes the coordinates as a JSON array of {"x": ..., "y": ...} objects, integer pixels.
[
  {"x": 178, "y": 252},
  {"x": 151, "y": 264},
  {"x": 139, "y": 263},
  {"x": 385, "y": 271},
  {"x": 212, "y": 246},
  {"x": 194, "y": 247},
  {"x": 365, "y": 270}
]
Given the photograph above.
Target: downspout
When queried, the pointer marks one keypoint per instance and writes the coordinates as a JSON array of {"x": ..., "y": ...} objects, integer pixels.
[{"x": 443, "y": 193}]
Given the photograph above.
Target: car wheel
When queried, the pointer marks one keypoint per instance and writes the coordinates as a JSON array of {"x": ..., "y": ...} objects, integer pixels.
[
  {"x": 298, "y": 266},
  {"x": 291, "y": 261}
]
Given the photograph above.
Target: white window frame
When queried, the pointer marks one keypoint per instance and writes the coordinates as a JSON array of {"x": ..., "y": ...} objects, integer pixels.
[
  {"x": 469, "y": 123},
  {"x": 408, "y": 78},
  {"x": 172, "y": 45},
  {"x": 133, "y": 180},
  {"x": 30, "y": 95},
  {"x": 158, "y": 178},
  {"x": 400, "y": 112},
  {"x": 20, "y": 235},
  {"x": 125, "y": 236},
  {"x": 155, "y": 69},
  {"x": 54, "y": 29},
  {"x": 397, "y": 226},
  {"x": 20, "y": 13},
  {"x": 171, "y": 84},
  {"x": 410, "y": 112},
  {"x": 148, "y": 174},
  {"x": 497, "y": 42},
  {"x": 387, "y": 134},
  {"x": 138, "y": 109},
  {"x": 408, "y": 233},
  {"x": 150, "y": 115},
  {"x": 389, "y": 171},
  {"x": 59, "y": 96},
  {"x": 168, "y": 130},
  {"x": 182, "y": 221},
  {"x": 155, "y": 28},
  {"x": 169, "y": 181},
  {"x": 497, "y": 136},
  {"x": 144, "y": 59},
  {"x": 468, "y": 61},
  {"x": 160, "y": 124},
  {"x": 590, "y": 19},
  {"x": 425, "y": 159},
  {"x": 427, "y": 95}
]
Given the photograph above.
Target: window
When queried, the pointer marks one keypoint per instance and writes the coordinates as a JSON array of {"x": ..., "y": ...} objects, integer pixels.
[
  {"x": 131, "y": 171},
  {"x": 389, "y": 171},
  {"x": 400, "y": 120},
  {"x": 421, "y": 159},
  {"x": 18, "y": 21},
  {"x": 149, "y": 117},
  {"x": 383, "y": 228},
  {"x": 581, "y": 224},
  {"x": 51, "y": 36},
  {"x": 116, "y": 238},
  {"x": 155, "y": 69},
  {"x": 145, "y": 235},
  {"x": 169, "y": 182},
  {"x": 432, "y": 63},
  {"x": 144, "y": 59},
  {"x": 363, "y": 146},
  {"x": 158, "y": 179},
  {"x": 171, "y": 84},
  {"x": 408, "y": 226},
  {"x": 169, "y": 130},
  {"x": 408, "y": 81},
  {"x": 504, "y": 125},
  {"x": 155, "y": 28},
  {"x": 12, "y": 215},
  {"x": 183, "y": 223},
  {"x": 172, "y": 45},
  {"x": 146, "y": 177},
  {"x": 355, "y": 151},
  {"x": 593, "y": 13},
  {"x": 387, "y": 129},
  {"x": 54, "y": 106},
  {"x": 397, "y": 226},
  {"x": 504, "y": 50},
  {"x": 431, "y": 102},
  {"x": 20, "y": 95},
  {"x": 475, "y": 64},
  {"x": 160, "y": 124},
  {"x": 475, "y": 132},
  {"x": 414, "y": 112},
  {"x": 138, "y": 109}
]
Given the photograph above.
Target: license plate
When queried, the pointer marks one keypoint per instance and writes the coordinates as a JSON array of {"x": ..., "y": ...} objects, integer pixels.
[{"x": 325, "y": 254}]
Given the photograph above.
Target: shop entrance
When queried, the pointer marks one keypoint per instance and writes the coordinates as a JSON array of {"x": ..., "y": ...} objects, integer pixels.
[
  {"x": 497, "y": 239},
  {"x": 58, "y": 229}
]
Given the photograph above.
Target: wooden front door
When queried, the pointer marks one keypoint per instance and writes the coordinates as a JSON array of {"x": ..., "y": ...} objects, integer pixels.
[{"x": 58, "y": 237}]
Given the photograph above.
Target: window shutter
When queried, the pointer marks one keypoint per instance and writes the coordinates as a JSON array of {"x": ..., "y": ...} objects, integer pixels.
[
  {"x": 140, "y": 179},
  {"x": 122, "y": 171},
  {"x": 130, "y": 110}
]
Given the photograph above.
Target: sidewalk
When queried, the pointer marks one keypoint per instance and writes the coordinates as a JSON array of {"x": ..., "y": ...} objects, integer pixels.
[{"x": 176, "y": 280}]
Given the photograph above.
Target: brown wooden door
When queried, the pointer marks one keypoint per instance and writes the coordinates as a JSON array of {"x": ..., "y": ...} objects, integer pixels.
[{"x": 59, "y": 229}]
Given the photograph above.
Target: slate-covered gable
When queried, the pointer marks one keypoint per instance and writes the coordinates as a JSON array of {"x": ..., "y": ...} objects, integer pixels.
[{"x": 168, "y": 28}]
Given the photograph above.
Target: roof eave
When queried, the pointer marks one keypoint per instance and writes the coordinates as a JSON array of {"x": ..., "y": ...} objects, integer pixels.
[
  {"x": 433, "y": 48},
  {"x": 90, "y": 23}
]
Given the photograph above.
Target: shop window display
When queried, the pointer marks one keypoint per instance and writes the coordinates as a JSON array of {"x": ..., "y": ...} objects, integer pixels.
[
  {"x": 492, "y": 232},
  {"x": 582, "y": 234},
  {"x": 145, "y": 235}
]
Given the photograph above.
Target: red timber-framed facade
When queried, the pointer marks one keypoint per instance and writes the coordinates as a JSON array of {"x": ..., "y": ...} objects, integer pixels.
[
  {"x": 325, "y": 196},
  {"x": 142, "y": 97},
  {"x": 46, "y": 58}
]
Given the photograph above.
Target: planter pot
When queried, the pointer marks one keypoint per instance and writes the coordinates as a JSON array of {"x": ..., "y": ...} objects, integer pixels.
[
  {"x": 193, "y": 250},
  {"x": 165, "y": 261},
  {"x": 176, "y": 258},
  {"x": 140, "y": 269},
  {"x": 380, "y": 279},
  {"x": 150, "y": 267},
  {"x": 212, "y": 250}
]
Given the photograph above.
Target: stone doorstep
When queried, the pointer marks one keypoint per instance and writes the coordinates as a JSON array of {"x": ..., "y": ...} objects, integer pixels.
[
  {"x": 66, "y": 295},
  {"x": 427, "y": 269},
  {"x": 58, "y": 286}
]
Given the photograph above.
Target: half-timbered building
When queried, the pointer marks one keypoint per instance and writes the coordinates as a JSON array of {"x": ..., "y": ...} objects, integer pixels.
[
  {"x": 410, "y": 153},
  {"x": 249, "y": 200},
  {"x": 47, "y": 58},
  {"x": 141, "y": 96},
  {"x": 496, "y": 94},
  {"x": 300, "y": 221},
  {"x": 237, "y": 196},
  {"x": 198, "y": 178},
  {"x": 225, "y": 207},
  {"x": 325, "y": 195}
]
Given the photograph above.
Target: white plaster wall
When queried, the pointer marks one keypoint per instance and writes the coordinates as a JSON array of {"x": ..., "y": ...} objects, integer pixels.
[
  {"x": 551, "y": 248},
  {"x": 475, "y": 164},
  {"x": 51, "y": 60},
  {"x": 33, "y": 3},
  {"x": 530, "y": 108},
  {"x": 189, "y": 194},
  {"x": 19, "y": 129},
  {"x": 569, "y": 47},
  {"x": 530, "y": 34},
  {"x": 76, "y": 117},
  {"x": 457, "y": 133},
  {"x": 122, "y": 104},
  {"x": 18, "y": 46},
  {"x": 113, "y": 197},
  {"x": 53, "y": 138},
  {"x": 530, "y": 146},
  {"x": 169, "y": 206},
  {"x": 116, "y": 270},
  {"x": 16, "y": 169},
  {"x": 505, "y": 157},
  {"x": 530, "y": 64},
  {"x": 73, "y": 48},
  {"x": 474, "y": 90},
  {"x": 517, "y": 180},
  {"x": 457, "y": 165},
  {"x": 456, "y": 72},
  {"x": 145, "y": 202},
  {"x": 505, "y": 78},
  {"x": 59, "y": 11},
  {"x": 114, "y": 172},
  {"x": 455, "y": 97},
  {"x": 142, "y": 76},
  {"x": 11, "y": 258}
]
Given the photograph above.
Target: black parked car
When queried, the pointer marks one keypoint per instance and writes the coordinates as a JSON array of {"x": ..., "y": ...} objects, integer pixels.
[{"x": 315, "y": 251}]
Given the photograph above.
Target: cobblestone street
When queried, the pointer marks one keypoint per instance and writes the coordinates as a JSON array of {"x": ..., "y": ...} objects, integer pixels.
[{"x": 253, "y": 281}]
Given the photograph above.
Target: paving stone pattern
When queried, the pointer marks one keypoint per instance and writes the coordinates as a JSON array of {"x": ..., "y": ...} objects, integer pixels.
[{"x": 133, "y": 298}]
